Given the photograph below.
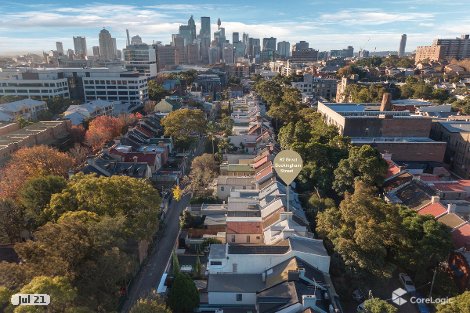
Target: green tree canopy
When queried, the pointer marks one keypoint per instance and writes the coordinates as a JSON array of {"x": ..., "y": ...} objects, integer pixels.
[
  {"x": 183, "y": 125},
  {"x": 376, "y": 305},
  {"x": 363, "y": 163},
  {"x": 156, "y": 91},
  {"x": 60, "y": 289},
  {"x": 183, "y": 296},
  {"x": 133, "y": 198},
  {"x": 357, "y": 230},
  {"x": 36, "y": 195},
  {"x": 154, "y": 305},
  {"x": 459, "y": 304}
]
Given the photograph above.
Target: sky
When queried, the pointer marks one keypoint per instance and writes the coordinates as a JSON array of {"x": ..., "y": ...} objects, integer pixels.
[{"x": 35, "y": 25}]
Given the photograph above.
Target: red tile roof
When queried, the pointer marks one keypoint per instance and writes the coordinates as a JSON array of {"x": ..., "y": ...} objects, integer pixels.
[
  {"x": 450, "y": 187},
  {"x": 263, "y": 173},
  {"x": 429, "y": 178},
  {"x": 244, "y": 227},
  {"x": 461, "y": 236},
  {"x": 393, "y": 169},
  {"x": 260, "y": 162},
  {"x": 434, "y": 209}
]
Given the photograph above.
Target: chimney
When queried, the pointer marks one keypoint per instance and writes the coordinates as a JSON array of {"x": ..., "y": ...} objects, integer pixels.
[
  {"x": 386, "y": 104},
  {"x": 435, "y": 199},
  {"x": 451, "y": 208},
  {"x": 293, "y": 275},
  {"x": 309, "y": 301}
]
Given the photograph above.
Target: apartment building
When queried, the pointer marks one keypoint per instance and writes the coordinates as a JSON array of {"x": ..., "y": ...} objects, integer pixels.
[{"x": 458, "y": 48}]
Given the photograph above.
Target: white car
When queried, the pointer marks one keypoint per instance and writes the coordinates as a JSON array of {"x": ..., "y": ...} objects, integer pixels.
[{"x": 407, "y": 282}]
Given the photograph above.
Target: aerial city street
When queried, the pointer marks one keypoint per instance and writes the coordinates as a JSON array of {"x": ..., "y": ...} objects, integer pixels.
[{"x": 235, "y": 157}]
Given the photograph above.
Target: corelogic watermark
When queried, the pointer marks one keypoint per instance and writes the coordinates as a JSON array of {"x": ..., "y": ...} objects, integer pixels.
[
  {"x": 431, "y": 300},
  {"x": 397, "y": 298}
]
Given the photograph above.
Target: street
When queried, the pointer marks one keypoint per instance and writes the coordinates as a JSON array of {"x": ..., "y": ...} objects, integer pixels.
[{"x": 150, "y": 275}]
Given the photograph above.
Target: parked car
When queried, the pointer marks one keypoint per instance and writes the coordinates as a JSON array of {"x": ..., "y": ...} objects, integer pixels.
[
  {"x": 358, "y": 295},
  {"x": 407, "y": 283}
]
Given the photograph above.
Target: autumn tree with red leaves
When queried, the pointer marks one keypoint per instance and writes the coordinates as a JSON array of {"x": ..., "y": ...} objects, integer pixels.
[
  {"x": 27, "y": 163},
  {"x": 102, "y": 129}
]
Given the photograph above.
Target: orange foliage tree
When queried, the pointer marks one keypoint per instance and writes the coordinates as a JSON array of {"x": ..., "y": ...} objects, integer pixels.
[
  {"x": 27, "y": 163},
  {"x": 102, "y": 129}
]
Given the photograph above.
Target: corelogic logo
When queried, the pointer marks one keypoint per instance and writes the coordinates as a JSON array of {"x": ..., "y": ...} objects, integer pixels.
[{"x": 397, "y": 296}]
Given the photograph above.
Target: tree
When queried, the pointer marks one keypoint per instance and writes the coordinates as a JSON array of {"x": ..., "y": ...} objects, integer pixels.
[
  {"x": 88, "y": 249},
  {"x": 356, "y": 231},
  {"x": 376, "y": 305},
  {"x": 35, "y": 196},
  {"x": 60, "y": 289},
  {"x": 288, "y": 108},
  {"x": 77, "y": 133},
  {"x": 183, "y": 125},
  {"x": 11, "y": 221},
  {"x": 79, "y": 153},
  {"x": 204, "y": 169},
  {"x": 156, "y": 91},
  {"x": 364, "y": 163},
  {"x": 150, "y": 305},
  {"x": 133, "y": 198},
  {"x": 102, "y": 129},
  {"x": 177, "y": 193},
  {"x": 58, "y": 105},
  {"x": 183, "y": 296},
  {"x": 22, "y": 122},
  {"x": 175, "y": 264},
  {"x": 31, "y": 162},
  {"x": 459, "y": 304},
  {"x": 425, "y": 242}
]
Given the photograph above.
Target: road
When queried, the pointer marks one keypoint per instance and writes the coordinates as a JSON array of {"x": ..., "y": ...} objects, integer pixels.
[{"x": 150, "y": 275}]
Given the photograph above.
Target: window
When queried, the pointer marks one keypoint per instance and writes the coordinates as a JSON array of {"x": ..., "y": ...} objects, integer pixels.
[
  {"x": 216, "y": 262},
  {"x": 248, "y": 239},
  {"x": 233, "y": 238},
  {"x": 222, "y": 188},
  {"x": 234, "y": 267},
  {"x": 239, "y": 297}
]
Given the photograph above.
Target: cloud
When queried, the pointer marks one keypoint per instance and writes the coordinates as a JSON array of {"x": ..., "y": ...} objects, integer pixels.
[{"x": 372, "y": 17}]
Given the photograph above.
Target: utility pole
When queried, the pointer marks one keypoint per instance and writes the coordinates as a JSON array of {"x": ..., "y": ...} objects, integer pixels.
[{"x": 432, "y": 282}]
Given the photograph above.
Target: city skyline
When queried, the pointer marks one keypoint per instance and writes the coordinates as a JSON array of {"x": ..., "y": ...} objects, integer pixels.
[{"x": 36, "y": 26}]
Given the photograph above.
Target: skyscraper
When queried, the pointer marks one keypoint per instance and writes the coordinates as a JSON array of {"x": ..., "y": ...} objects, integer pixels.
[
  {"x": 79, "y": 45},
  {"x": 192, "y": 28},
  {"x": 107, "y": 46},
  {"x": 301, "y": 45},
  {"x": 136, "y": 40},
  {"x": 178, "y": 42},
  {"x": 205, "y": 38},
  {"x": 235, "y": 37},
  {"x": 59, "y": 47},
  {"x": 269, "y": 44},
  {"x": 401, "y": 51},
  {"x": 283, "y": 49},
  {"x": 96, "y": 52}
]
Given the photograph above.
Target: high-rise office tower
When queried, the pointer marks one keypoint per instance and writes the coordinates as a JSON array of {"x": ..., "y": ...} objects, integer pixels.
[
  {"x": 136, "y": 40},
  {"x": 178, "y": 42},
  {"x": 107, "y": 46},
  {"x": 401, "y": 51},
  {"x": 269, "y": 44},
  {"x": 96, "y": 51},
  {"x": 235, "y": 37},
  {"x": 301, "y": 45},
  {"x": 141, "y": 58},
  {"x": 59, "y": 47},
  {"x": 115, "y": 50},
  {"x": 79, "y": 45},
  {"x": 192, "y": 28},
  {"x": 254, "y": 47},
  {"x": 228, "y": 54},
  {"x": 283, "y": 49},
  {"x": 205, "y": 38}
]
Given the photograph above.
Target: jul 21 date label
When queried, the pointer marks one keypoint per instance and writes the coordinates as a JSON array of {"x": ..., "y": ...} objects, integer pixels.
[{"x": 30, "y": 299}]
